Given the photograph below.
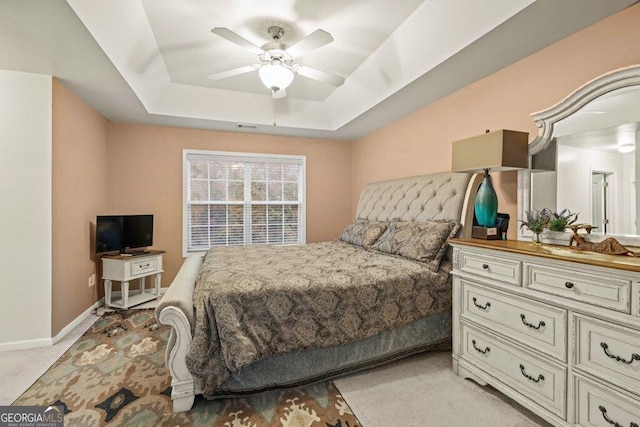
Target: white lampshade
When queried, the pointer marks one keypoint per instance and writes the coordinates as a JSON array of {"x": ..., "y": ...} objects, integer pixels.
[{"x": 275, "y": 76}]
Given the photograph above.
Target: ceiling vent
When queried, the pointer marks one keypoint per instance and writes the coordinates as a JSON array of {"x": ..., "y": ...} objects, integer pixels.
[{"x": 246, "y": 126}]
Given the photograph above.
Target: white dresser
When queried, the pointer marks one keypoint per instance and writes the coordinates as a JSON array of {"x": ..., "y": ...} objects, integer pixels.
[{"x": 554, "y": 328}]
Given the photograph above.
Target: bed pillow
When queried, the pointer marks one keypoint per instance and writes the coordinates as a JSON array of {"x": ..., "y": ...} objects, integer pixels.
[
  {"x": 424, "y": 241},
  {"x": 363, "y": 233}
]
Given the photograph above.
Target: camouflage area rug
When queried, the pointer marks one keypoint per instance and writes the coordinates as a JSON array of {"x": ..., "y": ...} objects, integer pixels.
[{"x": 115, "y": 374}]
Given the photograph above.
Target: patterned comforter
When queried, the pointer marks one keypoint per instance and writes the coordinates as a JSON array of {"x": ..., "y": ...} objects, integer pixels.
[{"x": 254, "y": 301}]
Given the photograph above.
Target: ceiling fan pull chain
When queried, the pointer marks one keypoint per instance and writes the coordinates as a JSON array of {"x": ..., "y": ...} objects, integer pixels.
[{"x": 274, "y": 111}]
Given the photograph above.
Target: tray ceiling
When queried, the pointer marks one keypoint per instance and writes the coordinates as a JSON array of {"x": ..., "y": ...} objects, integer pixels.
[{"x": 147, "y": 61}]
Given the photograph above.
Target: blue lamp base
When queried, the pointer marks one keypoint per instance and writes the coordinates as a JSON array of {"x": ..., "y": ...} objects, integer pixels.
[{"x": 486, "y": 206}]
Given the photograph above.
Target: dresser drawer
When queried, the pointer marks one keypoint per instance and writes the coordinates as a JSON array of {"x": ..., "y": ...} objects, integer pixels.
[
  {"x": 592, "y": 288},
  {"x": 534, "y": 377},
  {"x": 608, "y": 351},
  {"x": 535, "y": 324},
  {"x": 489, "y": 266},
  {"x": 597, "y": 406},
  {"x": 143, "y": 266}
]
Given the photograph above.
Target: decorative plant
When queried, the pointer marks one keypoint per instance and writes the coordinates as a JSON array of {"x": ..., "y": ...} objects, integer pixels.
[
  {"x": 558, "y": 221},
  {"x": 534, "y": 221}
]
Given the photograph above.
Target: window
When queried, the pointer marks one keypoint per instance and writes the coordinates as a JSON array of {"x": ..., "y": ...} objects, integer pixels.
[{"x": 242, "y": 199}]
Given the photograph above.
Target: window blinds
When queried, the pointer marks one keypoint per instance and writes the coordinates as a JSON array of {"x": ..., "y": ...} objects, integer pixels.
[{"x": 238, "y": 199}]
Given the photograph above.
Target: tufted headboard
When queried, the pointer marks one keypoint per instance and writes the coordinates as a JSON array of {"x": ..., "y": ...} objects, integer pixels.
[{"x": 444, "y": 195}]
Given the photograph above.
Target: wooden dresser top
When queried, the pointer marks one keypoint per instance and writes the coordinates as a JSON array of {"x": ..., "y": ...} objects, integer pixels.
[{"x": 557, "y": 252}]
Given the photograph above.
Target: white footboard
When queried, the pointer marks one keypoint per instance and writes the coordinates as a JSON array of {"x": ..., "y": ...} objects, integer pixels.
[
  {"x": 176, "y": 310},
  {"x": 182, "y": 383}
]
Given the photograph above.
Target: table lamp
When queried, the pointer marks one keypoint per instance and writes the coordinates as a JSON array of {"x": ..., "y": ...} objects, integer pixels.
[{"x": 500, "y": 150}]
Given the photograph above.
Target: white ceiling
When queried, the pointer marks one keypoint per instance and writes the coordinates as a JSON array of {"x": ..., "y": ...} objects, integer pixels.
[{"x": 146, "y": 61}]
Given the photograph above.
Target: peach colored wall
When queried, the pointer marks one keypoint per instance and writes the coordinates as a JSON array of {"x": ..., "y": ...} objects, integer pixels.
[
  {"x": 79, "y": 193},
  {"x": 146, "y": 177},
  {"x": 421, "y": 142}
]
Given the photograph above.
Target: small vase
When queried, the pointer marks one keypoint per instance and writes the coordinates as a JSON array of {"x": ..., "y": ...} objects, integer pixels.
[{"x": 535, "y": 239}]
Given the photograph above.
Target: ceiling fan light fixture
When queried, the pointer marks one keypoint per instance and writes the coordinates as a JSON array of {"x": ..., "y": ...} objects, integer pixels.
[
  {"x": 626, "y": 148},
  {"x": 276, "y": 76},
  {"x": 626, "y": 142}
]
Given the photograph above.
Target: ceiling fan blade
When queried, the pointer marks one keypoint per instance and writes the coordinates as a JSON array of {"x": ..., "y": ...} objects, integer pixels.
[
  {"x": 321, "y": 76},
  {"x": 233, "y": 72},
  {"x": 226, "y": 33},
  {"x": 278, "y": 94},
  {"x": 313, "y": 41}
]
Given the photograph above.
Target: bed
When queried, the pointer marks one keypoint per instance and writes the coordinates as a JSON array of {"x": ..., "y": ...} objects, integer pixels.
[{"x": 252, "y": 318}]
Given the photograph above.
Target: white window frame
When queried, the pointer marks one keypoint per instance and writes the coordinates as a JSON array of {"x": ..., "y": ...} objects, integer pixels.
[{"x": 302, "y": 217}]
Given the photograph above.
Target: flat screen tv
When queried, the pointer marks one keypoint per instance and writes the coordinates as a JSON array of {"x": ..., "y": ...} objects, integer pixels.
[{"x": 123, "y": 233}]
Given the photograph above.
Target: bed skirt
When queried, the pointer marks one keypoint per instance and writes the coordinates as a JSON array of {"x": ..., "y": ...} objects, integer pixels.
[{"x": 308, "y": 366}]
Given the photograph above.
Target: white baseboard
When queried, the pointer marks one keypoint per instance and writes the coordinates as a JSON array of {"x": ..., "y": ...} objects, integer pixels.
[
  {"x": 75, "y": 322},
  {"x": 45, "y": 342}
]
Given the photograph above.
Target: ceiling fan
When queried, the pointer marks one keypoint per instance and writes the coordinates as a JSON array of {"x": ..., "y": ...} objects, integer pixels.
[{"x": 277, "y": 68}]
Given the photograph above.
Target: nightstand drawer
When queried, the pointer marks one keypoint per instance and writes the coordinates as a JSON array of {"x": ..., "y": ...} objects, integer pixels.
[
  {"x": 489, "y": 266},
  {"x": 592, "y": 288},
  {"x": 597, "y": 406},
  {"x": 143, "y": 266},
  {"x": 608, "y": 351},
  {"x": 535, "y": 378},
  {"x": 538, "y": 325}
]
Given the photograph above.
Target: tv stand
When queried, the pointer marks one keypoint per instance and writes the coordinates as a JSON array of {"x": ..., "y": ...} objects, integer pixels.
[{"x": 127, "y": 267}]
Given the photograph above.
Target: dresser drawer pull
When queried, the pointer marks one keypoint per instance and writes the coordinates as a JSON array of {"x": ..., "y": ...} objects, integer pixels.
[
  {"x": 485, "y": 266},
  {"x": 486, "y": 350},
  {"x": 481, "y": 307},
  {"x": 144, "y": 265},
  {"x": 568, "y": 285},
  {"x": 529, "y": 377},
  {"x": 613, "y": 423},
  {"x": 634, "y": 356},
  {"x": 532, "y": 326}
]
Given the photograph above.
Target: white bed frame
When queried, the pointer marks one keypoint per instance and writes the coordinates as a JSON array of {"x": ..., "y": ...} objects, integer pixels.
[{"x": 176, "y": 306}]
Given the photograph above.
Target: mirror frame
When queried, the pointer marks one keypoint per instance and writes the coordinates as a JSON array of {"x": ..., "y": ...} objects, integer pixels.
[{"x": 546, "y": 120}]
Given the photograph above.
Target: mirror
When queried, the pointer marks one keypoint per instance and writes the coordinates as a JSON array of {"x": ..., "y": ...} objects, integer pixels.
[{"x": 584, "y": 159}]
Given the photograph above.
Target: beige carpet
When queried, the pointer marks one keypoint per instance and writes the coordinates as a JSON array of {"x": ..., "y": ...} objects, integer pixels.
[{"x": 423, "y": 391}]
